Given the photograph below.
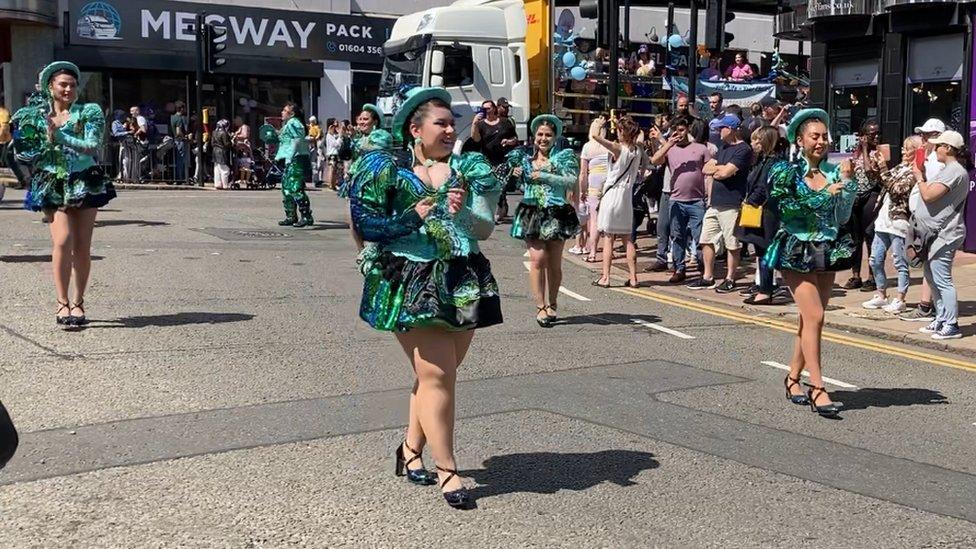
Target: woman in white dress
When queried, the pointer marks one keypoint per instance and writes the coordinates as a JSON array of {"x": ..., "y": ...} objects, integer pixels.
[{"x": 615, "y": 212}]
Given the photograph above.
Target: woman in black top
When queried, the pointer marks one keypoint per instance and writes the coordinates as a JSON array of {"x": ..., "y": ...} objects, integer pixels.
[{"x": 765, "y": 141}]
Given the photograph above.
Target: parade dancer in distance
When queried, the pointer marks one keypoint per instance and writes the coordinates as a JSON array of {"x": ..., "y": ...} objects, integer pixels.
[
  {"x": 369, "y": 137},
  {"x": 814, "y": 201},
  {"x": 545, "y": 218},
  {"x": 59, "y": 138},
  {"x": 425, "y": 278},
  {"x": 294, "y": 151}
]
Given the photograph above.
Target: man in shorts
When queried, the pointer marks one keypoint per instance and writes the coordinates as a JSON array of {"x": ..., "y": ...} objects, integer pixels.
[{"x": 729, "y": 170}]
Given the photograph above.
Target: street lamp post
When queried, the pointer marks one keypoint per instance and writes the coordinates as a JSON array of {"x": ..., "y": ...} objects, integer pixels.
[
  {"x": 198, "y": 129},
  {"x": 613, "y": 24},
  {"x": 693, "y": 56}
]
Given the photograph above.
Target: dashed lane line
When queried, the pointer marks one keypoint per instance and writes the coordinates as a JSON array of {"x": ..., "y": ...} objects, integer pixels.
[
  {"x": 826, "y": 379},
  {"x": 660, "y": 328},
  {"x": 563, "y": 289}
]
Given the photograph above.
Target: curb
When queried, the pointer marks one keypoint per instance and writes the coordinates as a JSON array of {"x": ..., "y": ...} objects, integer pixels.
[{"x": 832, "y": 318}]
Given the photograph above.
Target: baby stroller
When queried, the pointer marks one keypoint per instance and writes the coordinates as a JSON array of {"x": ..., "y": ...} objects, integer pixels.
[{"x": 266, "y": 173}]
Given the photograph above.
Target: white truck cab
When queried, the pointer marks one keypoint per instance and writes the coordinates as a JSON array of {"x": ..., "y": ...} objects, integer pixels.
[{"x": 475, "y": 49}]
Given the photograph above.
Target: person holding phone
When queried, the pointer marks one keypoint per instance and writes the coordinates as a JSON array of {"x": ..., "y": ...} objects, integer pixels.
[
  {"x": 495, "y": 136},
  {"x": 867, "y": 173}
]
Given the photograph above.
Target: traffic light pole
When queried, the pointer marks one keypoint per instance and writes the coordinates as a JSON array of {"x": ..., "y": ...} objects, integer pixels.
[
  {"x": 198, "y": 129},
  {"x": 693, "y": 57},
  {"x": 613, "y": 24}
]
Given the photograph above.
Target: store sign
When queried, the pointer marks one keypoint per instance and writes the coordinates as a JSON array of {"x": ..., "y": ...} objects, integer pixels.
[
  {"x": 819, "y": 9},
  {"x": 168, "y": 25},
  {"x": 970, "y": 243},
  {"x": 888, "y": 4}
]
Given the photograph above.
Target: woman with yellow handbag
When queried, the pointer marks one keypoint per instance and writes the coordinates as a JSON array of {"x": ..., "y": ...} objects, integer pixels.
[{"x": 758, "y": 221}]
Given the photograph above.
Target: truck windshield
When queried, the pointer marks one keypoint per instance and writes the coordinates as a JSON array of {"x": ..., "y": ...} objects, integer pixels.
[{"x": 402, "y": 68}]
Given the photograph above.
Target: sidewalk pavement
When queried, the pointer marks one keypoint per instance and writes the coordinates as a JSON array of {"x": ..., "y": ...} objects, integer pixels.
[
  {"x": 844, "y": 312},
  {"x": 12, "y": 182}
]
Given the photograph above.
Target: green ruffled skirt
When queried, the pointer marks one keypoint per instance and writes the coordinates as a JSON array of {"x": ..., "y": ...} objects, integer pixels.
[
  {"x": 87, "y": 189},
  {"x": 456, "y": 294}
]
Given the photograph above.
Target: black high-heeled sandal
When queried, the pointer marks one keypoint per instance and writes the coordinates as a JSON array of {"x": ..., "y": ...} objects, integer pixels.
[
  {"x": 552, "y": 317},
  {"x": 544, "y": 322},
  {"x": 800, "y": 399},
  {"x": 63, "y": 320},
  {"x": 79, "y": 320},
  {"x": 830, "y": 410},
  {"x": 458, "y": 499},
  {"x": 420, "y": 477}
]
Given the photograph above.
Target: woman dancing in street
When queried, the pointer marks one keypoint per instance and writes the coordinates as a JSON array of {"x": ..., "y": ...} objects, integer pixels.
[
  {"x": 369, "y": 137},
  {"x": 294, "y": 151},
  {"x": 425, "y": 278},
  {"x": 545, "y": 218},
  {"x": 60, "y": 139},
  {"x": 814, "y": 201}
]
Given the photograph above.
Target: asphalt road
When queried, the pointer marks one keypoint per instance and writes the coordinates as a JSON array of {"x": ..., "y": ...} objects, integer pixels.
[{"x": 226, "y": 395}]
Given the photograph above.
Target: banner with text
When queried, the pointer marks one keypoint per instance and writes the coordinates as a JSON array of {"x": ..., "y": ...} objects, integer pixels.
[
  {"x": 168, "y": 25},
  {"x": 743, "y": 94}
]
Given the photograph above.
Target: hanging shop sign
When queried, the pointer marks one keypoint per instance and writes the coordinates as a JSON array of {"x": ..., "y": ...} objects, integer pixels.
[
  {"x": 167, "y": 25},
  {"x": 820, "y": 9}
]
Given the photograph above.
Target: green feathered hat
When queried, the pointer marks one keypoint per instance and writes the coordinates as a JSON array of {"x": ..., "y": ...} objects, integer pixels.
[
  {"x": 369, "y": 107},
  {"x": 44, "y": 77},
  {"x": 268, "y": 134},
  {"x": 555, "y": 121},
  {"x": 802, "y": 116},
  {"x": 415, "y": 97}
]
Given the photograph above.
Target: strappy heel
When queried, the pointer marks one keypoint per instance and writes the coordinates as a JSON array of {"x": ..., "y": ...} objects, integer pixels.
[
  {"x": 421, "y": 477},
  {"x": 458, "y": 499},
  {"x": 544, "y": 322},
  {"x": 63, "y": 320},
  {"x": 552, "y": 317},
  {"x": 79, "y": 320},
  {"x": 830, "y": 410},
  {"x": 800, "y": 399}
]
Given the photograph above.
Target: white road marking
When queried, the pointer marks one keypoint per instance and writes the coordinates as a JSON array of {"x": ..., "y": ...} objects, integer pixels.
[
  {"x": 806, "y": 374},
  {"x": 660, "y": 328},
  {"x": 562, "y": 289}
]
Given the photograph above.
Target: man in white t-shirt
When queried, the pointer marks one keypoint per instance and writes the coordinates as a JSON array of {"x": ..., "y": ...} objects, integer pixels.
[{"x": 928, "y": 162}]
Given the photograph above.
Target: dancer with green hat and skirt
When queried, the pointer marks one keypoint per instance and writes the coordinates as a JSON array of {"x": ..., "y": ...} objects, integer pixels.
[
  {"x": 293, "y": 150},
  {"x": 425, "y": 277},
  {"x": 60, "y": 138},
  {"x": 814, "y": 200},
  {"x": 545, "y": 218},
  {"x": 369, "y": 137}
]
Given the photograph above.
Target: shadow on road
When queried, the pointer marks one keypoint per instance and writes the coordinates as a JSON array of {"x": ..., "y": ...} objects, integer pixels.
[
  {"x": 606, "y": 319},
  {"x": 549, "y": 472},
  {"x": 137, "y": 222},
  {"x": 176, "y": 319},
  {"x": 863, "y": 399},
  {"x": 35, "y": 258},
  {"x": 327, "y": 226}
]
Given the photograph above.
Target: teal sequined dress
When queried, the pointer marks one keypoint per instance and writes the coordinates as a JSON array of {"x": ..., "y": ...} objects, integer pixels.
[
  {"x": 425, "y": 272},
  {"x": 64, "y": 174},
  {"x": 812, "y": 236},
  {"x": 543, "y": 213},
  {"x": 376, "y": 140}
]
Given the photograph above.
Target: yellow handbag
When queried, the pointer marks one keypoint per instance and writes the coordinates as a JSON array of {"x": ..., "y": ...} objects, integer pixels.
[{"x": 750, "y": 216}]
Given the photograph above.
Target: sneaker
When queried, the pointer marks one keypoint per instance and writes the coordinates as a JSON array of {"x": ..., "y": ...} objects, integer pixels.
[
  {"x": 678, "y": 277},
  {"x": 948, "y": 331},
  {"x": 919, "y": 314},
  {"x": 750, "y": 290},
  {"x": 895, "y": 306},
  {"x": 931, "y": 328},
  {"x": 876, "y": 302},
  {"x": 726, "y": 287},
  {"x": 702, "y": 284},
  {"x": 853, "y": 283},
  {"x": 576, "y": 250},
  {"x": 869, "y": 286}
]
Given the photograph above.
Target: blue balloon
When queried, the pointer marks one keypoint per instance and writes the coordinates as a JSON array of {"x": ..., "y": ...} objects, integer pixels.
[
  {"x": 569, "y": 59},
  {"x": 676, "y": 41},
  {"x": 578, "y": 73}
]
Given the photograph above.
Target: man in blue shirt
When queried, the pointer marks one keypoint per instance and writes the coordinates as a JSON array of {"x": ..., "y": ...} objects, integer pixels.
[{"x": 729, "y": 170}]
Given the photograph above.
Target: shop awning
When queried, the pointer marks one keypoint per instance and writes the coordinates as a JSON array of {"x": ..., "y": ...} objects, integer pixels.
[
  {"x": 44, "y": 12},
  {"x": 95, "y": 58}
]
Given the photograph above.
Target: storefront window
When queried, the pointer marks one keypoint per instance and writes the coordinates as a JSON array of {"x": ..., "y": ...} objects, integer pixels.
[
  {"x": 935, "y": 80},
  {"x": 93, "y": 88},
  {"x": 365, "y": 88},
  {"x": 155, "y": 93},
  {"x": 255, "y": 99},
  {"x": 853, "y": 100}
]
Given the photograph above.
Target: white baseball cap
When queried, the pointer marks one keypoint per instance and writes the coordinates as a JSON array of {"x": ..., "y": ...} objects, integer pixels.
[
  {"x": 952, "y": 138},
  {"x": 932, "y": 125}
]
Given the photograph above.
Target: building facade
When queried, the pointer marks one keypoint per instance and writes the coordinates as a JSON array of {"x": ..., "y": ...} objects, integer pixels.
[
  {"x": 325, "y": 55},
  {"x": 899, "y": 62}
]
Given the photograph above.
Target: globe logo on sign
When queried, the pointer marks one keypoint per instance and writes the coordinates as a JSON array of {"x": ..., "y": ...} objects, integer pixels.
[{"x": 99, "y": 21}]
